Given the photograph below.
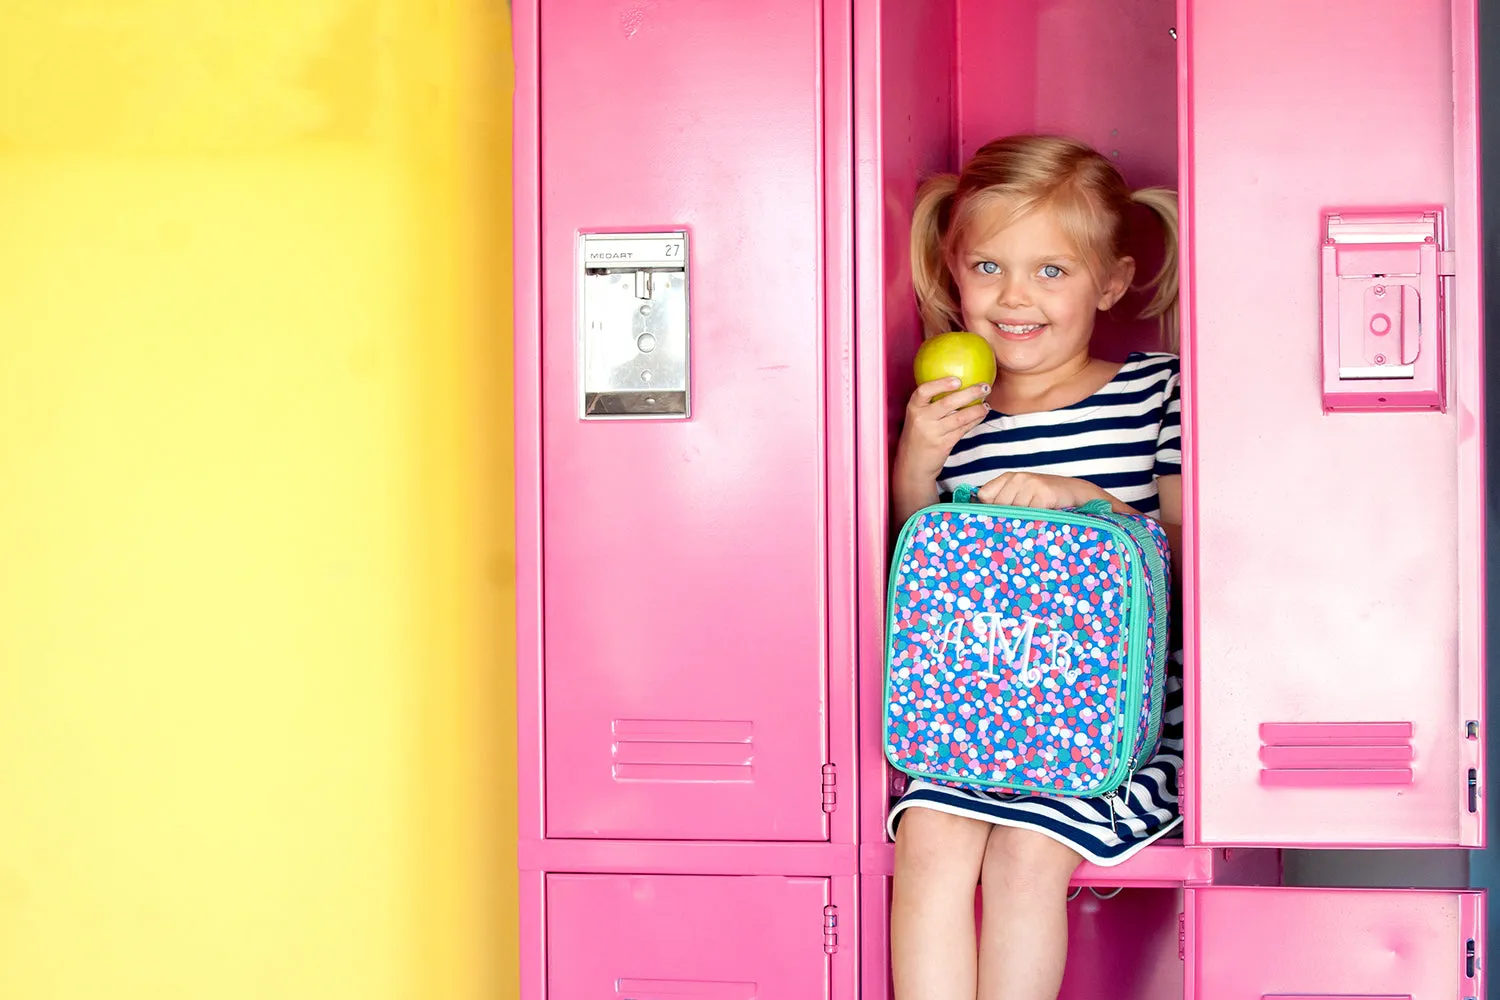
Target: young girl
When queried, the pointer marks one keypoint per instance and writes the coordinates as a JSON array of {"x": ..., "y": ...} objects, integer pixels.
[{"x": 1024, "y": 248}]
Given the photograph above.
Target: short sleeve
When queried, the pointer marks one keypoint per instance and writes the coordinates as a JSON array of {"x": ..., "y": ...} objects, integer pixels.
[{"x": 1169, "y": 438}]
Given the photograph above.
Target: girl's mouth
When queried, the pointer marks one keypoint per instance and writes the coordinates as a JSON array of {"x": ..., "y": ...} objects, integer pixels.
[{"x": 1023, "y": 331}]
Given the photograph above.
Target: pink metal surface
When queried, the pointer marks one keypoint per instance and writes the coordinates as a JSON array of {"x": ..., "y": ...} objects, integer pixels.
[
  {"x": 1466, "y": 314},
  {"x": 1187, "y": 319},
  {"x": 904, "y": 58},
  {"x": 692, "y": 611},
  {"x": 1249, "y": 944},
  {"x": 663, "y": 937},
  {"x": 526, "y": 215},
  {"x": 874, "y": 942},
  {"x": 1311, "y": 755},
  {"x": 701, "y": 576},
  {"x": 840, "y": 420},
  {"x": 1124, "y": 946},
  {"x": 688, "y": 857},
  {"x": 526, "y": 222},
  {"x": 1334, "y": 575}
]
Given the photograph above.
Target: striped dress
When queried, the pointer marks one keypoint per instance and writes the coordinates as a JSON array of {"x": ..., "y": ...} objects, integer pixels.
[{"x": 1121, "y": 439}]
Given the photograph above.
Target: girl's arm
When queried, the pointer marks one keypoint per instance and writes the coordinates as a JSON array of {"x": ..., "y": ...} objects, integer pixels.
[
  {"x": 932, "y": 428},
  {"x": 910, "y": 492}
]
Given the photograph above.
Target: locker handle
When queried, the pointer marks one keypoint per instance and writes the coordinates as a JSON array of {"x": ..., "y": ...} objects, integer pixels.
[{"x": 1383, "y": 323}]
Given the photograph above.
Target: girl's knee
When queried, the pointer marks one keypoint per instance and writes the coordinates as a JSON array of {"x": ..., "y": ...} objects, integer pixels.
[
  {"x": 1026, "y": 861},
  {"x": 935, "y": 844}
]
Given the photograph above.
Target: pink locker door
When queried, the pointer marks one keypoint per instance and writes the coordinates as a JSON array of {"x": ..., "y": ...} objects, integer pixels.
[
  {"x": 670, "y": 937},
  {"x": 1338, "y": 619},
  {"x": 1334, "y": 944},
  {"x": 685, "y": 570}
]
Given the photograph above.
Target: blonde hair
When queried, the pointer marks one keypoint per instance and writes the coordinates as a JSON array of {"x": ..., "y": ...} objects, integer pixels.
[{"x": 1027, "y": 172}]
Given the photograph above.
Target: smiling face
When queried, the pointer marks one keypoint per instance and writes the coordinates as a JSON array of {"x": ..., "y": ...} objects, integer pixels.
[{"x": 1024, "y": 287}]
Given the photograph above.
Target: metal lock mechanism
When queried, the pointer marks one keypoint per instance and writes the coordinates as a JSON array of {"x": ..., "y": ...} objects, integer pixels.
[
  {"x": 1383, "y": 316},
  {"x": 633, "y": 325}
]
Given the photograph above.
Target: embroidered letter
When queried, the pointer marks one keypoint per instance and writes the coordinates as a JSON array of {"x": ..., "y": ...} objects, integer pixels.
[
  {"x": 1062, "y": 656},
  {"x": 987, "y": 623},
  {"x": 1017, "y": 653},
  {"x": 953, "y": 635}
]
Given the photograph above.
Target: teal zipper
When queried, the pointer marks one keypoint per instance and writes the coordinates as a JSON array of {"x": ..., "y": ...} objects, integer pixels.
[
  {"x": 1161, "y": 605},
  {"x": 1094, "y": 514}
]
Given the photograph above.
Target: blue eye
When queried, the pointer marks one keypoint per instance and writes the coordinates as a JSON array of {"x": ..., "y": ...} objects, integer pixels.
[
  {"x": 988, "y": 267},
  {"x": 1051, "y": 271}
]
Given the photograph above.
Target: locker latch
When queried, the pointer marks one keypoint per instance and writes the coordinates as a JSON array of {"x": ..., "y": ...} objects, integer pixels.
[
  {"x": 830, "y": 789},
  {"x": 633, "y": 322},
  {"x": 1383, "y": 318},
  {"x": 830, "y": 930}
]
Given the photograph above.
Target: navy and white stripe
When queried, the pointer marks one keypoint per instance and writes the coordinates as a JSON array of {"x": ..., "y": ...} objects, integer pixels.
[{"x": 1121, "y": 439}]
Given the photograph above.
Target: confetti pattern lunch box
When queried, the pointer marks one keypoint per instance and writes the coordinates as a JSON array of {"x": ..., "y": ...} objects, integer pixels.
[{"x": 1026, "y": 649}]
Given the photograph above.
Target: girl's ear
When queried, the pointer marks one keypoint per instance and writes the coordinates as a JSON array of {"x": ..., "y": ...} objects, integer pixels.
[{"x": 1118, "y": 284}]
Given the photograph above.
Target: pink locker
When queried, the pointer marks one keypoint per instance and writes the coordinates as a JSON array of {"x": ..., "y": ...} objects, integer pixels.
[
  {"x": 702, "y": 512},
  {"x": 685, "y": 470}
]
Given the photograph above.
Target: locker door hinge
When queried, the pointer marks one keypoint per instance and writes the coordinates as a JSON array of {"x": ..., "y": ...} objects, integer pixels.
[
  {"x": 830, "y": 790},
  {"x": 830, "y": 930},
  {"x": 1182, "y": 935}
]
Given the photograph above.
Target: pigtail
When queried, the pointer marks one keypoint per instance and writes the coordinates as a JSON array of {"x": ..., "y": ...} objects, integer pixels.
[
  {"x": 937, "y": 298},
  {"x": 1163, "y": 305}
]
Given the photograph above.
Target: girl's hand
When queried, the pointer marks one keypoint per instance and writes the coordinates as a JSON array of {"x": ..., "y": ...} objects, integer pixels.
[
  {"x": 933, "y": 427},
  {"x": 1031, "y": 489}
]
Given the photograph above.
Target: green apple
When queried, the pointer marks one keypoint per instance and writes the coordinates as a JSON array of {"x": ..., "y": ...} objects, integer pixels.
[{"x": 956, "y": 353}]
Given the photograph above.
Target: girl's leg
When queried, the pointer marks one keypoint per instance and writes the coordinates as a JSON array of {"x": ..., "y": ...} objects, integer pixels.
[
  {"x": 933, "y": 955},
  {"x": 1024, "y": 940}
]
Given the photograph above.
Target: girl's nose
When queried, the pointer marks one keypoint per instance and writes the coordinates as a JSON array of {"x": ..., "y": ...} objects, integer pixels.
[{"x": 1013, "y": 292}]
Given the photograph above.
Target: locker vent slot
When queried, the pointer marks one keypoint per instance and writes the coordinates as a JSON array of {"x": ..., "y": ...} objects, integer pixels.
[
  {"x": 683, "y": 750},
  {"x": 1336, "y": 754},
  {"x": 683, "y": 989}
]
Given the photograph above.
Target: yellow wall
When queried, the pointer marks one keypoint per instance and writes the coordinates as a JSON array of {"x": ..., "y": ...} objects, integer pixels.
[{"x": 256, "y": 657}]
